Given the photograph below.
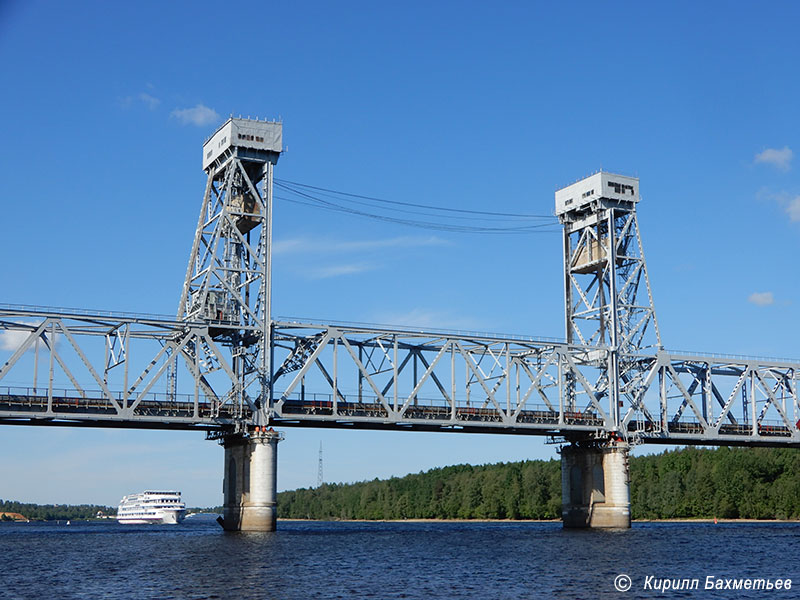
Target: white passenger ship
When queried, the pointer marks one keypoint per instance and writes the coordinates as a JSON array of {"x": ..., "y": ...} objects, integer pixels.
[{"x": 151, "y": 507}]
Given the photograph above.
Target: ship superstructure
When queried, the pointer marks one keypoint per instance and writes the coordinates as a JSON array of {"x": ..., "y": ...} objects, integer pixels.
[{"x": 151, "y": 507}]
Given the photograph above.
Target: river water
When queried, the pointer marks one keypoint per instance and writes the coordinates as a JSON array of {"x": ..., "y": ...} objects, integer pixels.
[{"x": 197, "y": 560}]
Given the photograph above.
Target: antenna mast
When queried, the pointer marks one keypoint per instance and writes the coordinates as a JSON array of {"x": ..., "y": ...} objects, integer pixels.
[{"x": 319, "y": 469}]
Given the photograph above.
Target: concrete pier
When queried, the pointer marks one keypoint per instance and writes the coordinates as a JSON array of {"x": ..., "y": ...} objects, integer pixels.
[
  {"x": 595, "y": 486},
  {"x": 251, "y": 481}
]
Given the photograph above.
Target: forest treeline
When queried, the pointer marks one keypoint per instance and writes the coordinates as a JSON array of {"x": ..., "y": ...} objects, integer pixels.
[
  {"x": 53, "y": 512},
  {"x": 744, "y": 483}
]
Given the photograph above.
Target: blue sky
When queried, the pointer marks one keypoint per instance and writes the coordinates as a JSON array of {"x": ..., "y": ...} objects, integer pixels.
[{"x": 106, "y": 106}]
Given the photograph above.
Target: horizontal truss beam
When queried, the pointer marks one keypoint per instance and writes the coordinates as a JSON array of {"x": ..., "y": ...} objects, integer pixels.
[{"x": 347, "y": 376}]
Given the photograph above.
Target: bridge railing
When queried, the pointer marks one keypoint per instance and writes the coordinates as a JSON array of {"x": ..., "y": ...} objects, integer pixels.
[{"x": 19, "y": 401}]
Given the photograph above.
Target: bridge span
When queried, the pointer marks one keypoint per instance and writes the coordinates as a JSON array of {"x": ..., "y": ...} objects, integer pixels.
[{"x": 225, "y": 366}]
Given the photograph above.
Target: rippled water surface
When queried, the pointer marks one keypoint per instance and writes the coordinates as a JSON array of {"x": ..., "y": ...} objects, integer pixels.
[{"x": 387, "y": 560}]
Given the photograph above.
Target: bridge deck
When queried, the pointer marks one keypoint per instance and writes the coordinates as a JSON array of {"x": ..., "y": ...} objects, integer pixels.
[{"x": 23, "y": 407}]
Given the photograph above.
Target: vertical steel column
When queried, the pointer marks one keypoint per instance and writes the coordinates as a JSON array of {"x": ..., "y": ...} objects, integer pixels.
[
  {"x": 267, "y": 333},
  {"x": 567, "y": 249},
  {"x": 52, "y": 348},
  {"x": 36, "y": 366},
  {"x": 613, "y": 354}
]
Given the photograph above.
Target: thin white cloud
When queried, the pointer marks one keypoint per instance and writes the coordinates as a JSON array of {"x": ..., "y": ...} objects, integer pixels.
[
  {"x": 780, "y": 158},
  {"x": 789, "y": 203},
  {"x": 761, "y": 298},
  {"x": 150, "y": 101},
  {"x": 11, "y": 339},
  {"x": 309, "y": 245},
  {"x": 199, "y": 115},
  {"x": 289, "y": 246},
  {"x": 793, "y": 209},
  {"x": 426, "y": 318},
  {"x": 337, "y": 270}
]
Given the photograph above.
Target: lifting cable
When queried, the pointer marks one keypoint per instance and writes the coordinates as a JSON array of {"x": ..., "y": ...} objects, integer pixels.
[{"x": 444, "y": 217}]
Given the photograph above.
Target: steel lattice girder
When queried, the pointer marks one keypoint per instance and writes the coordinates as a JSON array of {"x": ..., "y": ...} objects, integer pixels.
[
  {"x": 116, "y": 368},
  {"x": 589, "y": 269},
  {"x": 498, "y": 382},
  {"x": 350, "y": 376},
  {"x": 712, "y": 399},
  {"x": 412, "y": 378}
]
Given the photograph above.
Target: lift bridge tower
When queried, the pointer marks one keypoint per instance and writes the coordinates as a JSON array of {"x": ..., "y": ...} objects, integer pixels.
[
  {"x": 608, "y": 306},
  {"x": 228, "y": 287}
]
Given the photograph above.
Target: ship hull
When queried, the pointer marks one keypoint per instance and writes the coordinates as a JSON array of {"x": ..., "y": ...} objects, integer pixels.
[{"x": 167, "y": 517}]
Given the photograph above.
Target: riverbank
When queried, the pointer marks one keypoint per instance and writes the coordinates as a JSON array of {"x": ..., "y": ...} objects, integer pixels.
[{"x": 698, "y": 520}]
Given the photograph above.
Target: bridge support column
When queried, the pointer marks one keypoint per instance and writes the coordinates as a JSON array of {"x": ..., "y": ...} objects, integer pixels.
[
  {"x": 595, "y": 490},
  {"x": 251, "y": 481}
]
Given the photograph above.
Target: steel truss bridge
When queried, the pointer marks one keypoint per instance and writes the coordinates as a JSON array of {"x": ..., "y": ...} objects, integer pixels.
[
  {"x": 122, "y": 370},
  {"x": 224, "y": 365}
]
